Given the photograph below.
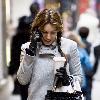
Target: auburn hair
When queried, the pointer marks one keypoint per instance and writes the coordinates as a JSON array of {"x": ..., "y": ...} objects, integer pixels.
[{"x": 53, "y": 17}]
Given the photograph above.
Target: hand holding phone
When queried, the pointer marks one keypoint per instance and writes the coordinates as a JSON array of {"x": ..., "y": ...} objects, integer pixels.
[{"x": 35, "y": 37}]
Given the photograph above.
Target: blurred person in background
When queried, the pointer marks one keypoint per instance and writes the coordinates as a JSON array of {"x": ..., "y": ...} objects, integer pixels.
[
  {"x": 22, "y": 36},
  {"x": 96, "y": 74},
  {"x": 86, "y": 65},
  {"x": 96, "y": 70},
  {"x": 98, "y": 10},
  {"x": 84, "y": 33},
  {"x": 70, "y": 8},
  {"x": 37, "y": 65},
  {"x": 89, "y": 19},
  {"x": 67, "y": 23},
  {"x": 34, "y": 9}
]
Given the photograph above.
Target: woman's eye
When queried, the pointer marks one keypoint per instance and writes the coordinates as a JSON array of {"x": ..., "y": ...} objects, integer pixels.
[
  {"x": 44, "y": 32},
  {"x": 53, "y": 33}
]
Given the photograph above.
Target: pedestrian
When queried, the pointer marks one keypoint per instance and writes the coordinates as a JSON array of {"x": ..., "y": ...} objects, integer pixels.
[{"x": 37, "y": 65}]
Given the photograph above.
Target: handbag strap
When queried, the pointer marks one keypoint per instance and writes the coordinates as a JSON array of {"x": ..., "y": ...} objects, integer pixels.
[{"x": 65, "y": 61}]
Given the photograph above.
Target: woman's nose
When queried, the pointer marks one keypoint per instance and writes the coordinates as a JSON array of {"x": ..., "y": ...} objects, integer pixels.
[{"x": 49, "y": 36}]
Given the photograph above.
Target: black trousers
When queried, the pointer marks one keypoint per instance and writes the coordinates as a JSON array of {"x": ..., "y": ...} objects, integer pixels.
[{"x": 22, "y": 90}]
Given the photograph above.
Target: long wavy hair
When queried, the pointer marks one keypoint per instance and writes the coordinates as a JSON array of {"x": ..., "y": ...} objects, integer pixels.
[{"x": 49, "y": 16}]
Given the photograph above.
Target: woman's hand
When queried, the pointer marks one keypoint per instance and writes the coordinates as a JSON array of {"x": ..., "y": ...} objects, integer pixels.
[
  {"x": 32, "y": 47},
  {"x": 33, "y": 44},
  {"x": 62, "y": 76}
]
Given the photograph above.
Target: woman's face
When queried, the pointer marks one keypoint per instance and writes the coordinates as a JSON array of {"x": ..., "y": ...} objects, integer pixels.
[{"x": 49, "y": 34}]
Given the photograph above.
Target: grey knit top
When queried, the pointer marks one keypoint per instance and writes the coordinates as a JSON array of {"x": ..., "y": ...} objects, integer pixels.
[{"x": 39, "y": 70}]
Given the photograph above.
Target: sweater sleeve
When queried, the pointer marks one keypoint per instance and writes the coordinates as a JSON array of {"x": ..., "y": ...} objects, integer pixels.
[
  {"x": 25, "y": 70},
  {"x": 74, "y": 63}
]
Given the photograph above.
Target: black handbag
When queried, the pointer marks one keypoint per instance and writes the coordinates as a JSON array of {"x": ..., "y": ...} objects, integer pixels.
[{"x": 53, "y": 95}]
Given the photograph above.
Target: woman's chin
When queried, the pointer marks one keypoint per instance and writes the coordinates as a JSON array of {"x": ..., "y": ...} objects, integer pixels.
[{"x": 47, "y": 43}]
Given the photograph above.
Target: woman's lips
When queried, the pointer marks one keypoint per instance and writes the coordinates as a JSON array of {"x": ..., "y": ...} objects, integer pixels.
[{"x": 48, "y": 40}]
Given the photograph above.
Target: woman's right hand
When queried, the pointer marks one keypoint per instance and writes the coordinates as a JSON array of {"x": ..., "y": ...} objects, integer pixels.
[
  {"x": 33, "y": 42},
  {"x": 32, "y": 47}
]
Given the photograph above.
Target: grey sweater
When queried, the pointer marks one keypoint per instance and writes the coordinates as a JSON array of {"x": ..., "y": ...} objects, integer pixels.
[{"x": 39, "y": 70}]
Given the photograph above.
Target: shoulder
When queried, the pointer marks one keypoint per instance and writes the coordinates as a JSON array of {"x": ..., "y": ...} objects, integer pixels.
[
  {"x": 67, "y": 42},
  {"x": 68, "y": 45}
]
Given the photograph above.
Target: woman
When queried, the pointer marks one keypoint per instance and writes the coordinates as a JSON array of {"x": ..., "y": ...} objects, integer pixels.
[{"x": 37, "y": 65}]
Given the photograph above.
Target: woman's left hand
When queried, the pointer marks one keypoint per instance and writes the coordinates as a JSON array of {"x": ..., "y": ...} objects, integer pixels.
[{"x": 62, "y": 76}]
